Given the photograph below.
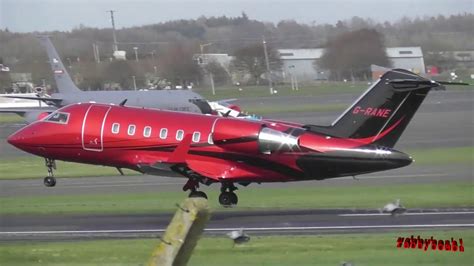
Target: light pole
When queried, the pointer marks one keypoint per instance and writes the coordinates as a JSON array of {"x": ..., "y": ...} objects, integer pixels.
[
  {"x": 136, "y": 53},
  {"x": 202, "y": 62},
  {"x": 134, "y": 83},
  {"x": 294, "y": 80},
  {"x": 115, "y": 46},
  {"x": 269, "y": 74}
]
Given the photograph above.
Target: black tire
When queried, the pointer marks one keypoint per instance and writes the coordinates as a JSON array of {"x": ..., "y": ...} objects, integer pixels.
[
  {"x": 225, "y": 199},
  {"x": 234, "y": 198},
  {"x": 197, "y": 194},
  {"x": 49, "y": 181}
]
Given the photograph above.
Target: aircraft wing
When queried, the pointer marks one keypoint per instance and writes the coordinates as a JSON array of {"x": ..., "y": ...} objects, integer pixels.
[
  {"x": 176, "y": 159},
  {"x": 23, "y": 110},
  {"x": 55, "y": 101}
]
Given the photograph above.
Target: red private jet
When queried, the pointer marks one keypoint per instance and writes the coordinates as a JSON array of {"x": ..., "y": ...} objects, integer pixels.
[{"x": 211, "y": 149}]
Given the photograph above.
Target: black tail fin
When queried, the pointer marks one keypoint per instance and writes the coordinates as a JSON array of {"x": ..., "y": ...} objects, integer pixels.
[
  {"x": 383, "y": 112},
  {"x": 62, "y": 78}
]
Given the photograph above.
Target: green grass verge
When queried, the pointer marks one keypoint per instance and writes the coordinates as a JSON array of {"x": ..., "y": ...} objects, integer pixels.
[
  {"x": 269, "y": 109},
  {"x": 282, "y": 90},
  {"x": 229, "y": 92},
  {"x": 360, "y": 249},
  {"x": 444, "y": 194},
  {"x": 10, "y": 118},
  {"x": 33, "y": 167}
]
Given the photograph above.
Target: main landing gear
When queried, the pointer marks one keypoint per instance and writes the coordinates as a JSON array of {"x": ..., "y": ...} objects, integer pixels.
[
  {"x": 50, "y": 181},
  {"x": 193, "y": 186},
  {"x": 227, "y": 198}
]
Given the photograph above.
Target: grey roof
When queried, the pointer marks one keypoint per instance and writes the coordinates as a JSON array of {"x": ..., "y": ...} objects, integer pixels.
[{"x": 392, "y": 52}]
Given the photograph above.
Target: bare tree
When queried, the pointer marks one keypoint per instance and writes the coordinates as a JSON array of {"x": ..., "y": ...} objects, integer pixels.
[
  {"x": 177, "y": 65},
  {"x": 219, "y": 73},
  {"x": 350, "y": 54},
  {"x": 251, "y": 60},
  {"x": 121, "y": 72}
]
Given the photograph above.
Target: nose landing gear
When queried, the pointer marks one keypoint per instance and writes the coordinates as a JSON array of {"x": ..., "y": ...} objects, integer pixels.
[{"x": 50, "y": 181}]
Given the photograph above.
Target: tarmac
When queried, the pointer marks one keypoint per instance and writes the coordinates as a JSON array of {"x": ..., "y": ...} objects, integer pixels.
[{"x": 291, "y": 222}]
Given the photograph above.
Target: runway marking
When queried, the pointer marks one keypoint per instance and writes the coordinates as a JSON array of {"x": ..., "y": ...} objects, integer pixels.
[
  {"x": 289, "y": 228},
  {"x": 408, "y": 213}
]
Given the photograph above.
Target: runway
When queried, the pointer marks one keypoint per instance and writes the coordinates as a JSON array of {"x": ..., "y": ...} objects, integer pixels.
[{"x": 333, "y": 221}]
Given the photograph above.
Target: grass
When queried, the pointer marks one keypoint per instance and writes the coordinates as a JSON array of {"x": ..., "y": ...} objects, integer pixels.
[
  {"x": 282, "y": 90},
  {"x": 269, "y": 109},
  {"x": 359, "y": 249},
  {"x": 10, "y": 118},
  {"x": 444, "y": 156},
  {"x": 443, "y": 194},
  {"x": 33, "y": 167},
  {"x": 315, "y": 89}
]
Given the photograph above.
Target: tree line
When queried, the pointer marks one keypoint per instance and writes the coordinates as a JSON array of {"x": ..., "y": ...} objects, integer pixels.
[{"x": 166, "y": 49}]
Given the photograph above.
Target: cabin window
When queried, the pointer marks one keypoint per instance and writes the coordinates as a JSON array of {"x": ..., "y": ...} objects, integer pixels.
[
  {"x": 115, "y": 128},
  {"x": 58, "y": 117},
  {"x": 147, "y": 132},
  {"x": 163, "y": 133},
  {"x": 196, "y": 136},
  {"x": 131, "y": 130},
  {"x": 209, "y": 139},
  {"x": 405, "y": 52},
  {"x": 179, "y": 134}
]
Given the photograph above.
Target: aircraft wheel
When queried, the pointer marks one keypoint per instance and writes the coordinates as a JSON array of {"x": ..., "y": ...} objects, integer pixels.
[
  {"x": 197, "y": 194},
  {"x": 226, "y": 199},
  {"x": 234, "y": 198},
  {"x": 49, "y": 181}
]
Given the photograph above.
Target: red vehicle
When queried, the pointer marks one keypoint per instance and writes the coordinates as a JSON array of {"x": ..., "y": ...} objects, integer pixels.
[{"x": 211, "y": 149}]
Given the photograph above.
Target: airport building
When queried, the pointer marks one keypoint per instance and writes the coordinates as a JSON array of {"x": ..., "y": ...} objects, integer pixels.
[{"x": 300, "y": 62}]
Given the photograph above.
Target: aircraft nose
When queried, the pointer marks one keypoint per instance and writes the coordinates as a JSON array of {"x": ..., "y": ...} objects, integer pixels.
[
  {"x": 16, "y": 139},
  {"x": 22, "y": 138}
]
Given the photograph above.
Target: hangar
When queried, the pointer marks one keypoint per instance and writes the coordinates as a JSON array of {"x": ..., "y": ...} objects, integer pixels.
[{"x": 299, "y": 62}]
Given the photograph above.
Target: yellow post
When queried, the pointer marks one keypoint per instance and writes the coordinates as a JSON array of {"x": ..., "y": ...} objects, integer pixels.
[{"x": 182, "y": 234}]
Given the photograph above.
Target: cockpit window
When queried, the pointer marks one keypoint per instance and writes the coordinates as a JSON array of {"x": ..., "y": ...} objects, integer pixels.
[{"x": 58, "y": 117}]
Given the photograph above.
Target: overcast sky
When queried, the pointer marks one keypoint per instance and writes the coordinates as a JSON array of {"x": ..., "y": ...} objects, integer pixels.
[{"x": 48, "y": 15}]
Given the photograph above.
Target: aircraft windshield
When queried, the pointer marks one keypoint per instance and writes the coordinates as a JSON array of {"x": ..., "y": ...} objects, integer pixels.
[{"x": 58, "y": 117}]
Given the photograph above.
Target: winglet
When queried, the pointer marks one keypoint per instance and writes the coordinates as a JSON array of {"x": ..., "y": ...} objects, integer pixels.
[{"x": 179, "y": 154}]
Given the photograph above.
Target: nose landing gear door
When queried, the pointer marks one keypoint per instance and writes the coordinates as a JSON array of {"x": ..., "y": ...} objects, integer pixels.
[{"x": 93, "y": 127}]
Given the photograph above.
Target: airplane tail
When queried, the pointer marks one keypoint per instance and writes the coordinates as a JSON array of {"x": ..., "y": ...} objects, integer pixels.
[
  {"x": 62, "y": 78},
  {"x": 383, "y": 112}
]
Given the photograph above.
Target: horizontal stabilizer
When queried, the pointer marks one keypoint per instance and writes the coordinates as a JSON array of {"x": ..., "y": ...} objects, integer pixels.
[{"x": 429, "y": 83}]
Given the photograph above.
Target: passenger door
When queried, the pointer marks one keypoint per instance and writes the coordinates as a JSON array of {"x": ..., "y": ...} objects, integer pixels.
[{"x": 93, "y": 127}]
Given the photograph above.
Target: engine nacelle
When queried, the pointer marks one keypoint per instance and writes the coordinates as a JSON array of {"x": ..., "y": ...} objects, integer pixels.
[
  {"x": 251, "y": 137},
  {"x": 271, "y": 140}
]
